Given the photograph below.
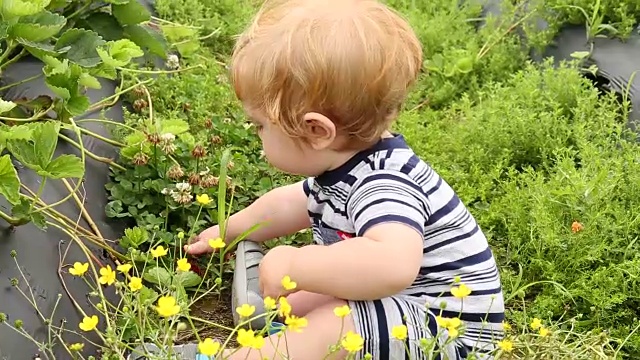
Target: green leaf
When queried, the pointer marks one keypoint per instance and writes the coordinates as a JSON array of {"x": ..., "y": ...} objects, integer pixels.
[
  {"x": 39, "y": 49},
  {"x": 158, "y": 275},
  {"x": 104, "y": 24},
  {"x": 82, "y": 46},
  {"x": 147, "y": 39},
  {"x": 6, "y": 106},
  {"x": 118, "y": 1},
  {"x": 64, "y": 166},
  {"x": 9, "y": 181},
  {"x": 131, "y": 13},
  {"x": 134, "y": 237},
  {"x": 89, "y": 81},
  {"x": 38, "y": 27},
  {"x": 176, "y": 33},
  {"x": 14, "y": 8},
  {"x": 188, "y": 279},
  {"x": 37, "y": 152},
  {"x": 173, "y": 126},
  {"x": 119, "y": 53}
]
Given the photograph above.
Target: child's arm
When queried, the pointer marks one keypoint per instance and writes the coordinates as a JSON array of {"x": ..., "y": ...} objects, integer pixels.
[{"x": 283, "y": 211}]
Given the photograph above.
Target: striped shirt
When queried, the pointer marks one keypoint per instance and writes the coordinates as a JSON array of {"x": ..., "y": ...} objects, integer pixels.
[{"x": 389, "y": 183}]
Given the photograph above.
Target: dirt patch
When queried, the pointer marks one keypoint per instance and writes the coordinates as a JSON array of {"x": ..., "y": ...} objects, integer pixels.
[{"x": 215, "y": 309}]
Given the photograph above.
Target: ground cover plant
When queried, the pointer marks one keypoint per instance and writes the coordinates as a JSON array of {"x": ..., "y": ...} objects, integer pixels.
[{"x": 541, "y": 157}]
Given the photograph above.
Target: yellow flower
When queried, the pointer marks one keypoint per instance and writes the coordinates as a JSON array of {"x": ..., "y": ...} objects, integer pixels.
[
  {"x": 295, "y": 323},
  {"x": 88, "y": 323},
  {"x": 399, "y": 332},
  {"x": 246, "y": 310},
  {"x": 124, "y": 268},
  {"x": 506, "y": 326},
  {"x": 217, "y": 243},
  {"x": 135, "y": 283},
  {"x": 208, "y": 347},
  {"x": 107, "y": 276},
  {"x": 505, "y": 345},
  {"x": 442, "y": 322},
  {"x": 76, "y": 347},
  {"x": 285, "y": 307},
  {"x": 269, "y": 303},
  {"x": 461, "y": 291},
  {"x": 536, "y": 323},
  {"x": 167, "y": 306},
  {"x": 183, "y": 265},
  {"x": 247, "y": 338},
  {"x": 159, "y": 251},
  {"x": 342, "y": 311},
  {"x": 543, "y": 331},
  {"x": 453, "y": 332},
  {"x": 203, "y": 199},
  {"x": 352, "y": 342},
  {"x": 287, "y": 284},
  {"x": 455, "y": 323},
  {"x": 79, "y": 269}
]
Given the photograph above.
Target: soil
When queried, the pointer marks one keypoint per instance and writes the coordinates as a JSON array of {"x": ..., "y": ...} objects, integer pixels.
[{"x": 216, "y": 309}]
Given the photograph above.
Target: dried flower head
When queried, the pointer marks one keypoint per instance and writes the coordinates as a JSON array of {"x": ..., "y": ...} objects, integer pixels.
[
  {"x": 154, "y": 138},
  {"x": 208, "y": 123},
  {"x": 140, "y": 159},
  {"x": 209, "y": 181},
  {"x": 216, "y": 140},
  {"x": 198, "y": 152},
  {"x": 194, "y": 179},
  {"x": 140, "y": 104},
  {"x": 175, "y": 172}
]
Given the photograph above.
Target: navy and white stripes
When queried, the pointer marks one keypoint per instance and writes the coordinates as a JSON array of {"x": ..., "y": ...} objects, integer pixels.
[{"x": 389, "y": 183}]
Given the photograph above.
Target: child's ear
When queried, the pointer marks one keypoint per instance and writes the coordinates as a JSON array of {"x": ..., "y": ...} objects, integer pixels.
[{"x": 320, "y": 130}]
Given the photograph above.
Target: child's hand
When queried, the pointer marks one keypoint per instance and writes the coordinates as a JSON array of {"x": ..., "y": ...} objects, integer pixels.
[
  {"x": 275, "y": 265},
  {"x": 200, "y": 244}
]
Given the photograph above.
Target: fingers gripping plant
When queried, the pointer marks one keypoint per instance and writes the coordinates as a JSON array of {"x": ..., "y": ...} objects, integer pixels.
[{"x": 78, "y": 43}]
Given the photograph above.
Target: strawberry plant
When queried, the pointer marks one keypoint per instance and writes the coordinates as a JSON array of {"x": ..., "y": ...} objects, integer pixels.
[{"x": 78, "y": 43}]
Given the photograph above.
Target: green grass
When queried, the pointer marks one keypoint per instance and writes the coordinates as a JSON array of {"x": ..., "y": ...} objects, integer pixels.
[{"x": 529, "y": 148}]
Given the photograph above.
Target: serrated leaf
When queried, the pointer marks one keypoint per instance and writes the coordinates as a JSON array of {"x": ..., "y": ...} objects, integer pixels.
[
  {"x": 82, "y": 46},
  {"x": 130, "y": 13},
  {"x": 104, "y": 71},
  {"x": 9, "y": 181},
  {"x": 178, "y": 32},
  {"x": 64, "y": 166},
  {"x": 77, "y": 105},
  {"x": 40, "y": 50},
  {"x": 38, "y": 27},
  {"x": 173, "y": 126},
  {"x": 6, "y": 106},
  {"x": 147, "y": 39},
  {"x": 15, "y": 8},
  {"x": 119, "y": 53},
  {"x": 36, "y": 153},
  {"x": 158, "y": 275},
  {"x": 104, "y": 24},
  {"x": 188, "y": 279},
  {"x": 89, "y": 81}
]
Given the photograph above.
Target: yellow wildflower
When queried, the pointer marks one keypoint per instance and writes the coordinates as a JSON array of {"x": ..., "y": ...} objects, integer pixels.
[
  {"x": 342, "y": 311},
  {"x": 79, "y": 269},
  {"x": 543, "y": 331},
  {"x": 159, "y": 251},
  {"x": 287, "y": 284},
  {"x": 208, "y": 347},
  {"x": 269, "y": 303},
  {"x": 295, "y": 323},
  {"x": 76, "y": 347},
  {"x": 167, "y": 306},
  {"x": 247, "y": 338},
  {"x": 257, "y": 342},
  {"x": 285, "y": 307},
  {"x": 453, "y": 332},
  {"x": 536, "y": 324},
  {"x": 461, "y": 291},
  {"x": 107, "y": 276},
  {"x": 506, "y": 326},
  {"x": 88, "y": 323},
  {"x": 203, "y": 199},
  {"x": 399, "y": 332},
  {"x": 124, "y": 268},
  {"x": 184, "y": 265},
  {"x": 352, "y": 342},
  {"x": 505, "y": 345},
  {"x": 135, "y": 283},
  {"x": 217, "y": 243},
  {"x": 246, "y": 310}
]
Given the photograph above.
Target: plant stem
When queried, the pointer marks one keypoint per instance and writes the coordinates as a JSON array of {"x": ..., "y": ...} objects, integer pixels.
[
  {"x": 102, "y": 138},
  {"x": 7, "y": 52},
  {"x": 162, "y": 71},
  {"x": 43, "y": 182},
  {"x": 114, "y": 98},
  {"x": 29, "y": 119},
  {"x": 108, "y": 122},
  {"x": 92, "y": 155},
  {"x": 11, "y": 220},
  {"x": 80, "y": 10},
  {"x": 22, "y": 53},
  {"x": 80, "y": 204},
  {"x": 3, "y": 88}
]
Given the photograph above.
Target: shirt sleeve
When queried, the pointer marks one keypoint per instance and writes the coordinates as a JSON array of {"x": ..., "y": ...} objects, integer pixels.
[
  {"x": 384, "y": 197},
  {"x": 307, "y": 184}
]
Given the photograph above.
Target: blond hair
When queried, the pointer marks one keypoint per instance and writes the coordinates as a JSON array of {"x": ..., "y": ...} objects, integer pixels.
[{"x": 350, "y": 60}]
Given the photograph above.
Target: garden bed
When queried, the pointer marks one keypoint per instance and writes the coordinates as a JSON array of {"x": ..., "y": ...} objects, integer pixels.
[{"x": 539, "y": 151}]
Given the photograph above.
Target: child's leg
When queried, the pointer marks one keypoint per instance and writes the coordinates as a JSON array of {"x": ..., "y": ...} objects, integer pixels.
[
  {"x": 312, "y": 343},
  {"x": 303, "y": 302}
]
